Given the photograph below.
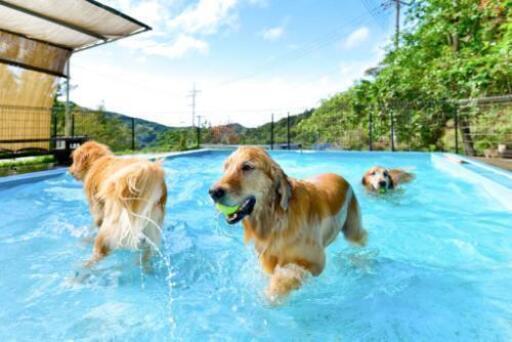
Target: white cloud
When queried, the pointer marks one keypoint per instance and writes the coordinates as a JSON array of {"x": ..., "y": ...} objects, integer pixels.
[
  {"x": 176, "y": 35},
  {"x": 151, "y": 12},
  {"x": 177, "y": 48},
  {"x": 273, "y": 33},
  {"x": 259, "y": 3},
  {"x": 205, "y": 17},
  {"x": 357, "y": 37}
]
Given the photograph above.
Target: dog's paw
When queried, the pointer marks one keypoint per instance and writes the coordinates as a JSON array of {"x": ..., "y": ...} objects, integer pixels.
[
  {"x": 89, "y": 263},
  {"x": 81, "y": 276},
  {"x": 284, "y": 280}
]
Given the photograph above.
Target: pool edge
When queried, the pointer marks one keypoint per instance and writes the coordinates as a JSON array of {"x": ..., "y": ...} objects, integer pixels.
[
  {"x": 32, "y": 177},
  {"x": 451, "y": 163}
]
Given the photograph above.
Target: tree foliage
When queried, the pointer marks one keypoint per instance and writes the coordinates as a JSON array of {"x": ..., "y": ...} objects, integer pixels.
[{"x": 451, "y": 50}]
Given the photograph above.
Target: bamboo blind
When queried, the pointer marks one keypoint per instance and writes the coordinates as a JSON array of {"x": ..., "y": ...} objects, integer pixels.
[{"x": 26, "y": 99}]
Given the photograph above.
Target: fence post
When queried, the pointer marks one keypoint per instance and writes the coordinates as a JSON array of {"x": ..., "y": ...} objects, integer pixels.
[
  {"x": 133, "y": 134},
  {"x": 272, "y": 132},
  {"x": 73, "y": 124},
  {"x": 198, "y": 131},
  {"x": 288, "y": 130},
  {"x": 456, "y": 127},
  {"x": 370, "y": 131},
  {"x": 392, "y": 131},
  {"x": 53, "y": 144}
]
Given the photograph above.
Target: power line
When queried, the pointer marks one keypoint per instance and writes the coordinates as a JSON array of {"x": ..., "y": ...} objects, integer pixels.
[
  {"x": 377, "y": 18},
  {"x": 308, "y": 49}
]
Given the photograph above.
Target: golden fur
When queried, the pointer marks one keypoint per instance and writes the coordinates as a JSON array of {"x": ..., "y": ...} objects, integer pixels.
[
  {"x": 126, "y": 198},
  {"x": 378, "y": 178},
  {"x": 293, "y": 221}
]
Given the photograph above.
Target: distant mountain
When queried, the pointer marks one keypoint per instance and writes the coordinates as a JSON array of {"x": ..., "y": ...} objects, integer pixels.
[
  {"x": 146, "y": 132},
  {"x": 149, "y": 134}
]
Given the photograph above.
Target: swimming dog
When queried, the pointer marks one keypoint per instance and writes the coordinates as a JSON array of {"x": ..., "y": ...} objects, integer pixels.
[{"x": 380, "y": 179}]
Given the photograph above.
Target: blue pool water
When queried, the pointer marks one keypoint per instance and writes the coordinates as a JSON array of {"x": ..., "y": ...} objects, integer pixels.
[{"x": 438, "y": 265}]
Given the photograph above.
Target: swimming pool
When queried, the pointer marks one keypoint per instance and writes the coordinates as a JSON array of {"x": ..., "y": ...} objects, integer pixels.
[{"x": 438, "y": 264}]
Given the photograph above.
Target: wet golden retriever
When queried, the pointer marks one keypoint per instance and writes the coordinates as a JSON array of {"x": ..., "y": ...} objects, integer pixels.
[
  {"x": 126, "y": 198},
  {"x": 380, "y": 179},
  {"x": 290, "y": 221}
]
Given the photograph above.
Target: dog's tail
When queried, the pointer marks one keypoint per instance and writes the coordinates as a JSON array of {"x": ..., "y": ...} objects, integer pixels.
[
  {"x": 134, "y": 198},
  {"x": 353, "y": 227}
]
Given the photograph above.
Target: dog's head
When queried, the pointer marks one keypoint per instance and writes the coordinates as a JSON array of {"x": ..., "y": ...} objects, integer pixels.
[
  {"x": 252, "y": 181},
  {"x": 378, "y": 179},
  {"x": 84, "y": 156}
]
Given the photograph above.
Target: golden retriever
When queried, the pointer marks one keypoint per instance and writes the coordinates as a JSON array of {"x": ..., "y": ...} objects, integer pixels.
[
  {"x": 126, "y": 198},
  {"x": 290, "y": 221},
  {"x": 380, "y": 179}
]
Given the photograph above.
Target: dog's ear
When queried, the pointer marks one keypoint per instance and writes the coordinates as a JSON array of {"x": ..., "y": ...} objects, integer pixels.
[
  {"x": 79, "y": 159},
  {"x": 86, "y": 154},
  {"x": 391, "y": 184},
  {"x": 282, "y": 184},
  {"x": 400, "y": 176}
]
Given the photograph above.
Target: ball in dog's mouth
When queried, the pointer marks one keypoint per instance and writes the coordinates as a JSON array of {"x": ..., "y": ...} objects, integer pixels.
[{"x": 243, "y": 210}]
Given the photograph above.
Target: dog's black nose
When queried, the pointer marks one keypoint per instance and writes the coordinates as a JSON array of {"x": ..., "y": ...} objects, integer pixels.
[
  {"x": 216, "y": 193},
  {"x": 382, "y": 184}
]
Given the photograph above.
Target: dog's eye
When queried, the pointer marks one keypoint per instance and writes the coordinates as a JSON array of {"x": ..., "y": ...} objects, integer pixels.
[
  {"x": 247, "y": 167},
  {"x": 385, "y": 173},
  {"x": 373, "y": 173}
]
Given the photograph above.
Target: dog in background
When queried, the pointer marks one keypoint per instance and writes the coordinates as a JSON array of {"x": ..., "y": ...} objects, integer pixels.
[
  {"x": 380, "y": 179},
  {"x": 126, "y": 198},
  {"x": 290, "y": 221}
]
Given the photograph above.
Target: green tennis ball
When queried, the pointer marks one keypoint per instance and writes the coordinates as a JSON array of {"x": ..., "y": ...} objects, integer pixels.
[
  {"x": 382, "y": 190},
  {"x": 226, "y": 210}
]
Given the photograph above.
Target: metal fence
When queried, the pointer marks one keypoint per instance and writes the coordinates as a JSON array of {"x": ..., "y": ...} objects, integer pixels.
[{"x": 470, "y": 127}]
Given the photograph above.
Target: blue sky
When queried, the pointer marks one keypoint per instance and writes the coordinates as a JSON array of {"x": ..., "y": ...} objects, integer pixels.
[{"x": 249, "y": 58}]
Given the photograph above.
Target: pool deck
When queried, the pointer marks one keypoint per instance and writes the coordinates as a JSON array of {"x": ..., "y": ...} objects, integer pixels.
[{"x": 505, "y": 164}]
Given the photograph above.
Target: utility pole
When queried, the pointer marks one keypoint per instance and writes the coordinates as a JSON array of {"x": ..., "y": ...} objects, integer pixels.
[
  {"x": 398, "y": 3},
  {"x": 193, "y": 93},
  {"x": 397, "y": 25}
]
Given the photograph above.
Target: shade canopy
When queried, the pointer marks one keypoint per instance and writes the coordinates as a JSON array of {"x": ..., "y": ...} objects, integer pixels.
[{"x": 41, "y": 34}]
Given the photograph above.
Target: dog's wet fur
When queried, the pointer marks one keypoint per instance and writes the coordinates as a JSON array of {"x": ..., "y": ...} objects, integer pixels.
[{"x": 292, "y": 221}]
